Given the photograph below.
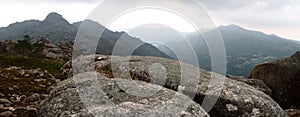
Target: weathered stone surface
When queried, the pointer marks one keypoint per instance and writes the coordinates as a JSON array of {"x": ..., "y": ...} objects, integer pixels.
[
  {"x": 115, "y": 98},
  {"x": 51, "y": 50},
  {"x": 258, "y": 84},
  {"x": 293, "y": 112},
  {"x": 236, "y": 98},
  {"x": 65, "y": 71},
  {"x": 6, "y": 114},
  {"x": 7, "y": 46},
  {"x": 5, "y": 102},
  {"x": 34, "y": 97},
  {"x": 57, "y": 52},
  {"x": 282, "y": 76},
  {"x": 67, "y": 48},
  {"x": 30, "y": 112}
]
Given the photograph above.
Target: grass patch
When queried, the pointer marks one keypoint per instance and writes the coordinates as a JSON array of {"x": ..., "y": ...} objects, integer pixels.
[{"x": 30, "y": 63}]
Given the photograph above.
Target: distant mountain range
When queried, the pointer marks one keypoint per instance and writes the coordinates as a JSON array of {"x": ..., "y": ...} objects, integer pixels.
[
  {"x": 54, "y": 27},
  {"x": 244, "y": 48},
  {"x": 57, "y": 29}
]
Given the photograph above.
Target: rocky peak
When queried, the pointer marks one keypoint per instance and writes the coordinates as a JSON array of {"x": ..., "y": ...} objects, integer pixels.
[
  {"x": 231, "y": 27},
  {"x": 55, "y": 18},
  {"x": 91, "y": 25}
]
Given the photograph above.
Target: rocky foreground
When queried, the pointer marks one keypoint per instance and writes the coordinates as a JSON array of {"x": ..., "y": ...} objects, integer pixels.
[
  {"x": 106, "y": 98},
  {"x": 117, "y": 78},
  {"x": 139, "y": 86},
  {"x": 21, "y": 91}
]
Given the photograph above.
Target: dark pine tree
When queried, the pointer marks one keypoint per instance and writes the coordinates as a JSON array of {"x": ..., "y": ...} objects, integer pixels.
[{"x": 24, "y": 47}]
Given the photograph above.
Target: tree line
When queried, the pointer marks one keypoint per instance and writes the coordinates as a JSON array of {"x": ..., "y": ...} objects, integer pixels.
[{"x": 24, "y": 48}]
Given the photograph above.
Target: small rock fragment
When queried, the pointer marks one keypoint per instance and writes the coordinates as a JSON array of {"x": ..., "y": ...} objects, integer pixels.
[
  {"x": 34, "y": 97},
  {"x": 6, "y": 114},
  {"x": 6, "y": 102},
  {"x": 231, "y": 107}
]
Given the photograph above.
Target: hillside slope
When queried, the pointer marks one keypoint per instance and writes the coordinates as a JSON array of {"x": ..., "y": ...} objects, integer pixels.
[
  {"x": 244, "y": 48},
  {"x": 57, "y": 29}
]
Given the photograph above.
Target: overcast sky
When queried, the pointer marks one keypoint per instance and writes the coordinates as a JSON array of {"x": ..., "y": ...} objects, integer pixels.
[{"x": 281, "y": 17}]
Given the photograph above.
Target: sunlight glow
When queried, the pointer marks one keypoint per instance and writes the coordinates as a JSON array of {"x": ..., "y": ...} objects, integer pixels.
[{"x": 151, "y": 16}]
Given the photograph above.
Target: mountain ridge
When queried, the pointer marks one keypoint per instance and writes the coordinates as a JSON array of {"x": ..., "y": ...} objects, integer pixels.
[
  {"x": 244, "y": 48},
  {"x": 57, "y": 29}
]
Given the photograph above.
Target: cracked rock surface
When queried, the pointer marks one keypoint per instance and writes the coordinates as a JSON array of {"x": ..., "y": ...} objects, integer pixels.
[
  {"x": 282, "y": 76},
  {"x": 100, "y": 96},
  {"x": 235, "y": 98}
]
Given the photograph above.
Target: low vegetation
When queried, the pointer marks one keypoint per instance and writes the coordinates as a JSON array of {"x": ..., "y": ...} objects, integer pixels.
[{"x": 27, "y": 76}]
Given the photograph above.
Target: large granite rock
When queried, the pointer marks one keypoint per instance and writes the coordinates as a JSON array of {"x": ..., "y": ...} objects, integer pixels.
[
  {"x": 91, "y": 94},
  {"x": 282, "y": 76},
  {"x": 65, "y": 71},
  {"x": 7, "y": 46},
  {"x": 258, "y": 84},
  {"x": 236, "y": 98},
  {"x": 50, "y": 50}
]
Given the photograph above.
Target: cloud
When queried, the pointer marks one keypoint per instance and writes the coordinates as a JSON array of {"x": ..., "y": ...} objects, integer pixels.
[
  {"x": 257, "y": 14},
  {"x": 51, "y": 1},
  {"x": 72, "y": 1},
  {"x": 242, "y": 4},
  {"x": 272, "y": 16}
]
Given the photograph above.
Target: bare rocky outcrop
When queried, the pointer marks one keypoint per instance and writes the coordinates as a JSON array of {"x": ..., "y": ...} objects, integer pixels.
[
  {"x": 51, "y": 50},
  {"x": 236, "y": 98},
  {"x": 59, "y": 51},
  {"x": 67, "y": 48},
  {"x": 7, "y": 46},
  {"x": 282, "y": 76},
  {"x": 65, "y": 71},
  {"x": 105, "y": 97},
  {"x": 258, "y": 84}
]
